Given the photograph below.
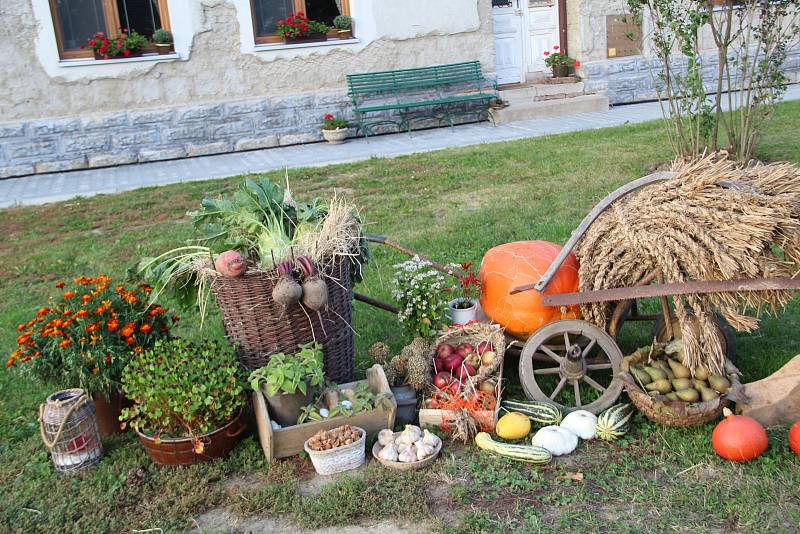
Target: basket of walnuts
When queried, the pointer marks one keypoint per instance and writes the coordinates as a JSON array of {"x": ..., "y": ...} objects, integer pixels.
[{"x": 336, "y": 450}]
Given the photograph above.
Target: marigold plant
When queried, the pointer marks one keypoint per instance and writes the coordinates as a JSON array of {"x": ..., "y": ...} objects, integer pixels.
[{"x": 86, "y": 335}]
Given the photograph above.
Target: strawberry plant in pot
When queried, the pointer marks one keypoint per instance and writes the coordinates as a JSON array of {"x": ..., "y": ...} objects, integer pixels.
[
  {"x": 86, "y": 335},
  {"x": 289, "y": 381},
  {"x": 188, "y": 401},
  {"x": 334, "y": 129},
  {"x": 559, "y": 62},
  {"x": 297, "y": 28},
  {"x": 464, "y": 308}
]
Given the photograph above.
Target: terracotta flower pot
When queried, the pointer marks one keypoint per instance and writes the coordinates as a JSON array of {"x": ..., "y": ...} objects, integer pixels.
[
  {"x": 560, "y": 71},
  {"x": 164, "y": 48},
  {"x": 180, "y": 451},
  {"x": 108, "y": 411},
  {"x": 285, "y": 408}
]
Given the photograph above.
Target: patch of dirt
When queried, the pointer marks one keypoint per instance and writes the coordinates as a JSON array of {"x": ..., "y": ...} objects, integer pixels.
[{"x": 316, "y": 483}]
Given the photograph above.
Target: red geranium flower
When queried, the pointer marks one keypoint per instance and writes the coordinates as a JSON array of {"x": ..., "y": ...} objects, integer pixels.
[
  {"x": 547, "y": 53},
  {"x": 328, "y": 117},
  {"x": 576, "y": 64},
  {"x": 555, "y": 47},
  {"x": 126, "y": 53}
]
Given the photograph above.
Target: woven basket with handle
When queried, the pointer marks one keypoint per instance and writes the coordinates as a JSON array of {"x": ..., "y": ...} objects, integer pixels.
[{"x": 259, "y": 327}]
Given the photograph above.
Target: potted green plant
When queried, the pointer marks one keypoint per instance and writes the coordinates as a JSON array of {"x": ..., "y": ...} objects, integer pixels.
[
  {"x": 124, "y": 45},
  {"x": 163, "y": 40},
  {"x": 334, "y": 129},
  {"x": 297, "y": 28},
  {"x": 560, "y": 63},
  {"x": 288, "y": 381},
  {"x": 188, "y": 401},
  {"x": 464, "y": 308},
  {"x": 344, "y": 26},
  {"x": 86, "y": 335}
]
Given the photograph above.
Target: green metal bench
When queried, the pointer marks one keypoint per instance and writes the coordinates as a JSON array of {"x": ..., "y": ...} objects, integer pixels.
[{"x": 425, "y": 93}]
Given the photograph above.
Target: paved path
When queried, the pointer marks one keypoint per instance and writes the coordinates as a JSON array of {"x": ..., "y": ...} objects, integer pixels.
[{"x": 43, "y": 188}]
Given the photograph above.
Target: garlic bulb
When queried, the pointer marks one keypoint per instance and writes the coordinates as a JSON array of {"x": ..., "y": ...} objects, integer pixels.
[
  {"x": 408, "y": 455},
  {"x": 424, "y": 451},
  {"x": 389, "y": 452},
  {"x": 385, "y": 437},
  {"x": 409, "y": 435},
  {"x": 430, "y": 439},
  {"x": 402, "y": 447}
]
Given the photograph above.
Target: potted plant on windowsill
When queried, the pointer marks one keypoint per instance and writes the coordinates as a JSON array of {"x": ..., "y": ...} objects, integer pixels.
[
  {"x": 125, "y": 45},
  {"x": 289, "y": 381},
  {"x": 560, "y": 63},
  {"x": 464, "y": 308},
  {"x": 188, "y": 401},
  {"x": 344, "y": 26},
  {"x": 297, "y": 28},
  {"x": 334, "y": 129},
  {"x": 86, "y": 336},
  {"x": 163, "y": 40}
]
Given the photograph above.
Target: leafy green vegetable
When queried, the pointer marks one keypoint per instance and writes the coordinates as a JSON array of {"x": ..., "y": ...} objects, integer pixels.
[{"x": 289, "y": 373}]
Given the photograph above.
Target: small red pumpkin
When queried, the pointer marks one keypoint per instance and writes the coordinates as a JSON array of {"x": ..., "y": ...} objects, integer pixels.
[
  {"x": 794, "y": 438},
  {"x": 739, "y": 438}
]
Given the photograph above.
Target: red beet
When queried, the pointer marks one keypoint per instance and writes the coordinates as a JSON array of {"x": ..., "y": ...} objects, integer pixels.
[
  {"x": 444, "y": 350},
  {"x": 483, "y": 346},
  {"x": 464, "y": 349}
]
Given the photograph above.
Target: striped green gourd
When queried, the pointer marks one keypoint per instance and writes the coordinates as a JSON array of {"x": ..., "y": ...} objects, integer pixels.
[
  {"x": 525, "y": 453},
  {"x": 614, "y": 423},
  {"x": 542, "y": 413}
]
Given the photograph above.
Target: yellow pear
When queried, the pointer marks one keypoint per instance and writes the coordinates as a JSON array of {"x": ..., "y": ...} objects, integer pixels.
[{"x": 679, "y": 369}]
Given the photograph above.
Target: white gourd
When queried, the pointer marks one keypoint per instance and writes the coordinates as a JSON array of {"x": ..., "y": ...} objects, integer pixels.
[
  {"x": 581, "y": 423},
  {"x": 557, "y": 440},
  {"x": 408, "y": 455},
  {"x": 389, "y": 452},
  {"x": 430, "y": 439},
  {"x": 385, "y": 437}
]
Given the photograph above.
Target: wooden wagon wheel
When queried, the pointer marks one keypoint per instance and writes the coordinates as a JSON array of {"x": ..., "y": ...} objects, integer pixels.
[{"x": 579, "y": 354}]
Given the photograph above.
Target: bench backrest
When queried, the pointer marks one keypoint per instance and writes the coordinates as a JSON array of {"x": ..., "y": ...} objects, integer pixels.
[{"x": 409, "y": 79}]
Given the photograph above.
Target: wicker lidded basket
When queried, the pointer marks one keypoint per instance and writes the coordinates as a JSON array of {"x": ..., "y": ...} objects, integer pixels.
[
  {"x": 474, "y": 333},
  {"x": 259, "y": 327},
  {"x": 339, "y": 459},
  {"x": 663, "y": 411}
]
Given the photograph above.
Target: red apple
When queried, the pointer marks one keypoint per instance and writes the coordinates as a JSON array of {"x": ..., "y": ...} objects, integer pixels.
[
  {"x": 465, "y": 371},
  {"x": 464, "y": 349},
  {"x": 442, "y": 380},
  {"x": 452, "y": 363},
  {"x": 454, "y": 387},
  {"x": 488, "y": 357},
  {"x": 483, "y": 346},
  {"x": 444, "y": 350}
]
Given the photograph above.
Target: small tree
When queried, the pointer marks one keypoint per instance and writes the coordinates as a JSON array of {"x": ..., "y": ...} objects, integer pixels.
[{"x": 751, "y": 38}]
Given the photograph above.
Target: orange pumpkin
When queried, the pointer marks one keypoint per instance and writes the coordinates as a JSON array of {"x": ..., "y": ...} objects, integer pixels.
[
  {"x": 794, "y": 438},
  {"x": 739, "y": 438},
  {"x": 524, "y": 262}
]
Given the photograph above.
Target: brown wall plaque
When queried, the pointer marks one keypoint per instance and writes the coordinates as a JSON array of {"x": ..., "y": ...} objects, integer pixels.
[{"x": 624, "y": 35}]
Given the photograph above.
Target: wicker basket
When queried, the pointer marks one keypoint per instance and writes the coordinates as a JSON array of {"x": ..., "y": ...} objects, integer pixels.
[
  {"x": 663, "y": 411},
  {"x": 406, "y": 466},
  {"x": 258, "y": 326},
  {"x": 340, "y": 459}
]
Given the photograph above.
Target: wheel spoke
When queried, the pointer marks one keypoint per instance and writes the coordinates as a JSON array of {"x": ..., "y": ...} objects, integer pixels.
[
  {"x": 589, "y": 380},
  {"x": 552, "y": 354},
  {"x": 577, "y": 385},
  {"x": 587, "y": 348},
  {"x": 548, "y": 371},
  {"x": 597, "y": 366},
  {"x": 558, "y": 389},
  {"x": 567, "y": 344}
]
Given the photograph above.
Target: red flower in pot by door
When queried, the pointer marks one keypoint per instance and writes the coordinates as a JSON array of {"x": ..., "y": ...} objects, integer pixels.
[{"x": 187, "y": 401}]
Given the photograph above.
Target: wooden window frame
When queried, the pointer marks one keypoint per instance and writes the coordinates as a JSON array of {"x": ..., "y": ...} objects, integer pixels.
[
  {"x": 299, "y": 7},
  {"x": 111, "y": 16}
]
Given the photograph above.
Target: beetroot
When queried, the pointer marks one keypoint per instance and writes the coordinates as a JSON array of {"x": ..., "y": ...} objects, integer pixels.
[
  {"x": 287, "y": 291},
  {"x": 315, "y": 290},
  {"x": 230, "y": 263}
]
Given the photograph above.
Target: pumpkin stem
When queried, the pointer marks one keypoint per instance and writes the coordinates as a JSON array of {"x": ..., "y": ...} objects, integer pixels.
[{"x": 727, "y": 412}]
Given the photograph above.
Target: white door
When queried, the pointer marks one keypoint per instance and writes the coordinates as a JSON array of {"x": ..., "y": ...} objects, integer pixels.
[
  {"x": 541, "y": 22},
  {"x": 507, "y": 22}
]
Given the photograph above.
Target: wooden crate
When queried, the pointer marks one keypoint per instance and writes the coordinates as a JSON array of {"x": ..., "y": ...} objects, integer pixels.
[
  {"x": 429, "y": 417},
  {"x": 289, "y": 441}
]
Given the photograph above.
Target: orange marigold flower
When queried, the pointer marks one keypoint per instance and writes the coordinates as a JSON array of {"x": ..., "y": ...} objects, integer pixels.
[
  {"x": 120, "y": 290},
  {"x": 42, "y": 312},
  {"x": 10, "y": 361},
  {"x": 81, "y": 313},
  {"x": 147, "y": 288},
  {"x": 175, "y": 318},
  {"x": 131, "y": 299},
  {"x": 67, "y": 313},
  {"x": 95, "y": 339},
  {"x": 86, "y": 298},
  {"x": 37, "y": 353},
  {"x": 106, "y": 303},
  {"x": 58, "y": 322},
  {"x": 100, "y": 310},
  {"x": 59, "y": 285},
  {"x": 137, "y": 350},
  {"x": 20, "y": 327},
  {"x": 145, "y": 328},
  {"x": 67, "y": 322},
  {"x": 126, "y": 332},
  {"x": 130, "y": 341},
  {"x": 112, "y": 325},
  {"x": 21, "y": 340},
  {"x": 64, "y": 343},
  {"x": 94, "y": 327},
  {"x": 69, "y": 294},
  {"x": 95, "y": 370}
]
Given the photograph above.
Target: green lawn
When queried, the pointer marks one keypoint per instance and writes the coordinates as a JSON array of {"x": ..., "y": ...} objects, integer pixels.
[{"x": 452, "y": 205}]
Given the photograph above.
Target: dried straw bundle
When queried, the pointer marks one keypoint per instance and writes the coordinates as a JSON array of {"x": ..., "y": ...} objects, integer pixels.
[{"x": 713, "y": 221}]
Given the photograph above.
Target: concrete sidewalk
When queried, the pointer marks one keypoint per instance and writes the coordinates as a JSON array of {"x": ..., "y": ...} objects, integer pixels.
[{"x": 43, "y": 188}]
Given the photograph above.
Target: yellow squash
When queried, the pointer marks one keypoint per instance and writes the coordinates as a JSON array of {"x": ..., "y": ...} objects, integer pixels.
[{"x": 513, "y": 426}]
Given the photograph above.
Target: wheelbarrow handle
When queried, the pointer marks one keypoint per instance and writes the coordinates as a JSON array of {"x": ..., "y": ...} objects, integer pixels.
[{"x": 382, "y": 240}]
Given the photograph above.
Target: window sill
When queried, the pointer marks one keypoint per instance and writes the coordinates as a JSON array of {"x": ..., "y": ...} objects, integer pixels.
[
  {"x": 82, "y": 62},
  {"x": 284, "y": 46}
]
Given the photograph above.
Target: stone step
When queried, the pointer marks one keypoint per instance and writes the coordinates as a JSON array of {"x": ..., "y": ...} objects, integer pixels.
[
  {"x": 541, "y": 91},
  {"x": 549, "y": 108}
]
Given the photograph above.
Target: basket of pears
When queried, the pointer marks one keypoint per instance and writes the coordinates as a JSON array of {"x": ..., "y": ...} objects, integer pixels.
[{"x": 669, "y": 393}]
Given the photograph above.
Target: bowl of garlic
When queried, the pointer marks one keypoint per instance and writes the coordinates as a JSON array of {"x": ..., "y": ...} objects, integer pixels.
[{"x": 412, "y": 448}]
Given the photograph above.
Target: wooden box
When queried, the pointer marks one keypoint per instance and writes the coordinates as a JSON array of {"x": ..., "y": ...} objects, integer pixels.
[
  {"x": 429, "y": 417},
  {"x": 289, "y": 441}
]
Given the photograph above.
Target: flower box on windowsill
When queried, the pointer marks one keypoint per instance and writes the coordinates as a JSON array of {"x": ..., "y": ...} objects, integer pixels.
[
  {"x": 313, "y": 38},
  {"x": 134, "y": 53}
]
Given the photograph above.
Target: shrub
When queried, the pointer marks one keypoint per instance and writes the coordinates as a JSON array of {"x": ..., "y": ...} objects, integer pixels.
[
  {"x": 343, "y": 22},
  {"x": 162, "y": 36}
]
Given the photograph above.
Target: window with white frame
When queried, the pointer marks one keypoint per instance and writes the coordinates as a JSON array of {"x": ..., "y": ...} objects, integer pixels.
[{"x": 267, "y": 14}]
